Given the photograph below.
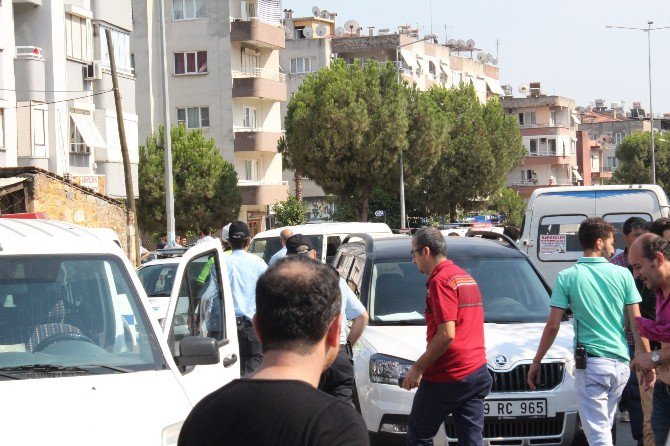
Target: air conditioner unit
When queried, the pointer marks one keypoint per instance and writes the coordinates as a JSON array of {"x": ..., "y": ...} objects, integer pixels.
[
  {"x": 67, "y": 176},
  {"x": 93, "y": 71}
]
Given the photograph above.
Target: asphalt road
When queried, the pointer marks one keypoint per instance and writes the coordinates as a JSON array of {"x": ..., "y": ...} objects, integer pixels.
[{"x": 623, "y": 437}]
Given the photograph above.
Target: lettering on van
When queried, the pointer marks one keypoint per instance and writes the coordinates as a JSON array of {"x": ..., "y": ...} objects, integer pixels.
[{"x": 552, "y": 244}]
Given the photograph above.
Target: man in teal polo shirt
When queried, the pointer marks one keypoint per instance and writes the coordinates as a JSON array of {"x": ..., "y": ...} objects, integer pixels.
[{"x": 598, "y": 293}]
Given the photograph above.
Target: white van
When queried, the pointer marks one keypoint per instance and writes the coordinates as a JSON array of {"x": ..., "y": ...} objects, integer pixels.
[
  {"x": 79, "y": 351},
  {"x": 553, "y": 215},
  {"x": 326, "y": 237}
]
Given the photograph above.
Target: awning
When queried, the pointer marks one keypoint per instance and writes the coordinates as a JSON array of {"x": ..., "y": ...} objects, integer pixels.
[
  {"x": 576, "y": 174},
  {"x": 445, "y": 69},
  {"x": 423, "y": 63},
  {"x": 575, "y": 117},
  {"x": 494, "y": 86},
  {"x": 88, "y": 130},
  {"x": 11, "y": 181},
  {"x": 409, "y": 58}
]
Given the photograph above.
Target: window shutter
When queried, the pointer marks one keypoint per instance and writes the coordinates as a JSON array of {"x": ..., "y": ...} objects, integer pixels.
[{"x": 77, "y": 36}]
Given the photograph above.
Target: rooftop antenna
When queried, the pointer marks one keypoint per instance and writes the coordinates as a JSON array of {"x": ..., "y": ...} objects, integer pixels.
[
  {"x": 430, "y": 7},
  {"x": 497, "y": 44}
]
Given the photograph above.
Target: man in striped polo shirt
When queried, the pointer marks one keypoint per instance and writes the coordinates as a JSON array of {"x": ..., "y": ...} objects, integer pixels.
[{"x": 451, "y": 376}]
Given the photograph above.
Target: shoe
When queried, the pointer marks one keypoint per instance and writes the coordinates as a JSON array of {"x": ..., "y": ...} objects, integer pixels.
[{"x": 625, "y": 417}]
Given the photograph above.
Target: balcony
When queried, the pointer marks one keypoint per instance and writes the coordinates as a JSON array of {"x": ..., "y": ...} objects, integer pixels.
[
  {"x": 29, "y": 70},
  {"x": 263, "y": 193},
  {"x": 255, "y": 140},
  {"x": 523, "y": 183},
  {"x": 259, "y": 83},
  {"x": 552, "y": 158},
  {"x": 255, "y": 32}
]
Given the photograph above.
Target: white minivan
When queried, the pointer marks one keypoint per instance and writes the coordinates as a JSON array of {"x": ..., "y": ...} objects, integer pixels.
[
  {"x": 81, "y": 359},
  {"x": 552, "y": 218},
  {"x": 326, "y": 237}
]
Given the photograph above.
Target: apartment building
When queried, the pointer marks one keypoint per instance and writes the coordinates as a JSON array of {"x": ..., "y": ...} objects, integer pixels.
[
  {"x": 548, "y": 126},
  {"x": 223, "y": 78},
  {"x": 313, "y": 41},
  {"x": 57, "y": 107}
]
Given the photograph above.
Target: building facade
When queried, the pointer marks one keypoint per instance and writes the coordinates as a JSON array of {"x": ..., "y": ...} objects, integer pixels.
[
  {"x": 57, "y": 108},
  {"x": 313, "y": 41},
  {"x": 548, "y": 126},
  {"x": 223, "y": 78}
]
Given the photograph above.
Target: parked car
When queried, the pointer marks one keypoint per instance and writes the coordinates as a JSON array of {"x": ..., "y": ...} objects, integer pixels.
[
  {"x": 325, "y": 237},
  {"x": 80, "y": 351},
  {"x": 553, "y": 215},
  {"x": 516, "y": 306}
]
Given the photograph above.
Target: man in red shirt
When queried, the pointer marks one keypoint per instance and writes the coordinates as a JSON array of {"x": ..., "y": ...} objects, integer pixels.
[{"x": 451, "y": 376}]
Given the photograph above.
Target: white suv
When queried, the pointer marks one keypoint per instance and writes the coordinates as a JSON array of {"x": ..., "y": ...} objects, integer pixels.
[{"x": 516, "y": 306}]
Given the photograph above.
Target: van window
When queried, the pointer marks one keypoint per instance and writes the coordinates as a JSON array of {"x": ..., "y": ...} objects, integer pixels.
[
  {"x": 331, "y": 247},
  {"x": 617, "y": 220},
  {"x": 266, "y": 247},
  {"x": 72, "y": 311},
  {"x": 557, "y": 238}
]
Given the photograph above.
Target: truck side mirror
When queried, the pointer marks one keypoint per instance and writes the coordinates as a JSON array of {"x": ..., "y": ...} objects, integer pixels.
[{"x": 195, "y": 350}]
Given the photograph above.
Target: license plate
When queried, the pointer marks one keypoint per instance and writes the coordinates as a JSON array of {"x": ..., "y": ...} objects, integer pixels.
[{"x": 515, "y": 408}]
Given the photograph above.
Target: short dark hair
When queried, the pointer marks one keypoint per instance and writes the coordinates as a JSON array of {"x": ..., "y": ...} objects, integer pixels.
[
  {"x": 237, "y": 243},
  {"x": 591, "y": 229},
  {"x": 651, "y": 244},
  {"x": 433, "y": 239},
  {"x": 634, "y": 223},
  {"x": 660, "y": 225},
  {"x": 512, "y": 232},
  {"x": 206, "y": 231},
  {"x": 296, "y": 300}
]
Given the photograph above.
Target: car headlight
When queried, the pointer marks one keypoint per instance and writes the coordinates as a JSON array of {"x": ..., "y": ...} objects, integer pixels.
[
  {"x": 170, "y": 434},
  {"x": 387, "y": 369}
]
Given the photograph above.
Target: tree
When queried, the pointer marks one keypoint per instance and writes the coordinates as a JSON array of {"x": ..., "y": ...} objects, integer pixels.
[
  {"x": 345, "y": 127},
  {"x": 282, "y": 148},
  {"x": 509, "y": 202},
  {"x": 290, "y": 211},
  {"x": 205, "y": 185},
  {"x": 634, "y": 156}
]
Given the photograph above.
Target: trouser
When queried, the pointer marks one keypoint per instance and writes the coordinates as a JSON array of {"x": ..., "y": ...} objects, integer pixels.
[
  {"x": 660, "y": 415},
  {"x": 463, "y": 399},
  {"x": 646, "y": 398},
  {"x": 631, "y": 400},
  {"x": 251, "y": 352},
  {"x": 338, "y": 379},
  {"x": 599, "y": 388}
]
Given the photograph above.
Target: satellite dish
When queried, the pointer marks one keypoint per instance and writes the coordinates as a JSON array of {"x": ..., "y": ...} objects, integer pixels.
[
  {"x": 316, "y": 11},
  {"x": 470, "y": 43},
  {"x": 494, "y": 61},
  {"x": 507, "y": 89},
  {"x": 489, "y": 57},
  {"x": 482, "y": 57},
  {"x": 339, "y": 31},
  {"x": 524, "y": 89},
  {"x": 321, "y": 30},
  {"x": 451, "y": 42},
  {"x": 308, "y": 32},
  {"x": 325, "y": 14},
  {"x": 351, "y": 26},
  {"x": 288, "y": 32},
  {"x": 460, "y": 43}
]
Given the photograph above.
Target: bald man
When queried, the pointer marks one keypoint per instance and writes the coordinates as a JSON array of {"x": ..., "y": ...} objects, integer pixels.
[{"x": 284, "y": 235}]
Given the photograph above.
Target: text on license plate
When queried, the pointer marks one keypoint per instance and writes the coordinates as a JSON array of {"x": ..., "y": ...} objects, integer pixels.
[{"x": 515, "y": 408}]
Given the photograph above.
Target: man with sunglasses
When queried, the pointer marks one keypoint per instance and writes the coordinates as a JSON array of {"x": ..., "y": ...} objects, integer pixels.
[{"x": 451, "y": 376}]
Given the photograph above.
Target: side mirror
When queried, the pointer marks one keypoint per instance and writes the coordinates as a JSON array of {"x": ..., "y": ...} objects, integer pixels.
[{"x": 195, "y": 350}]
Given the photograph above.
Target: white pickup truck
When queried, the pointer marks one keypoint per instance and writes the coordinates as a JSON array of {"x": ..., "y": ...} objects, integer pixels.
[{"x": 82, "y": 359}]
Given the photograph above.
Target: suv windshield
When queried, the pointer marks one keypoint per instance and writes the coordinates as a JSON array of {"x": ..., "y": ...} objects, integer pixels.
[
  {"x": 266, "y": 247},
  {"x": 511, "y": 290},
  {"x": 67, "y": 311}
]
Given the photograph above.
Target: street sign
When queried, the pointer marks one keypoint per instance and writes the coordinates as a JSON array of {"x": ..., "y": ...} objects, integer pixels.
[{"x": 380, "y": 213}]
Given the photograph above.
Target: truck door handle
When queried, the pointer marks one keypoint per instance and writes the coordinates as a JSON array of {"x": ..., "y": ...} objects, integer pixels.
[{"x": 229, "y": 360}]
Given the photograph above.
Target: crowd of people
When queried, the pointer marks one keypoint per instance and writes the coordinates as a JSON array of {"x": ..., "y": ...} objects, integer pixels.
[{"x": 296, "y": 356}]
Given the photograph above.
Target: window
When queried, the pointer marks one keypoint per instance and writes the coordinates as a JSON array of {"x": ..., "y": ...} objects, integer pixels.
[
  {"x": 526, "y": 175},
  {"x": 533, "y": 147},
  {"x": 79, "y": 151},
  {"x": 39, "y": 127},
  {"x": 188, "y": 9},
  {"x": 521, "y": 119},
  {"x": 592, "y": 136},
  {"x": 251, "y": 170},
  {"x": 248, "y": 10},
  {"x": 78, "y": 37},
  {"x": 2, "y": 128},
  {"x": 190, "y": 63},
  {"x": 193, "y": 117},
  {"x": 299, "y": 32},
  {"x": 617, "y": 220},
  {"x": 530, "y": 118},
  {"x": 595, "y": 163},
  {"x": 249, "y": 117},
  {"x": 553, "y": 118},
  {"x": 250, "y": 60},
  {"x": 301, "y": 65},
  {"x": 552, "y": 146},
  {"x": 558, "y": 239},
  {"x": 617, "y": 138},
  {"x": 121, "y": 44}
]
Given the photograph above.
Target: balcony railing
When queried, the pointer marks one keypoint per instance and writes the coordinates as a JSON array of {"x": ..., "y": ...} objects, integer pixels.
[
  {"x": 29, "y": 52},
  {"x": 261, "y": 183},
  {"x": 609, "y": 168},
  {"x": 562, "y": 124},
  {"x": 263, "y": 73},
  {"x": 241, "y": 128},
  {"x": 523, "y": 183}
]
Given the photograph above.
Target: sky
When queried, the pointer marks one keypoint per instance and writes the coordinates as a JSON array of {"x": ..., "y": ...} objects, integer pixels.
[{"x": 561, "y": 43}]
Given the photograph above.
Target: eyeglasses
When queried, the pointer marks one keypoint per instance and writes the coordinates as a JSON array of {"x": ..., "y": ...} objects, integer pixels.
[{"x": 416, "y": 251}]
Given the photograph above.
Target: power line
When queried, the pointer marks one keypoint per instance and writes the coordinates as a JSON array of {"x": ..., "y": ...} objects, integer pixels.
[{"x": 63, "y": 100}]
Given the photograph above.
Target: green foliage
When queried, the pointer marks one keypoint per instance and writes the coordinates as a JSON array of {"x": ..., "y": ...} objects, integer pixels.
[
  {"x": 205, "y": 185},
  {"x": 511, "y": 204},
  {"x": 634, "y": 155},
  {"x": 345, "y": 127},
  {"x": 290, "y": 212}
]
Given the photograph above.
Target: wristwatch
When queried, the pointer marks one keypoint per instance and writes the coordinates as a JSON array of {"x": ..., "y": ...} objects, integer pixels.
[{"x": 656, "y": 357}]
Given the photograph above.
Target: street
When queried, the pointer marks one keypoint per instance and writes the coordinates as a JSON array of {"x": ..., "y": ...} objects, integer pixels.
[{"x": 623, "y": 437}]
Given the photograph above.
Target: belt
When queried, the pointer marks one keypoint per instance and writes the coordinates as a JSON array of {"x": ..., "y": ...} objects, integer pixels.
[{"x": 591, "y": 355}]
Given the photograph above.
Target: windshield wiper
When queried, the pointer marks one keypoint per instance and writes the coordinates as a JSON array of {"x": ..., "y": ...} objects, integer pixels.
[
  {"x": 159, "y": 295},
  {"x": 111, "y": 367},
  {"x": 43, "y": 368}
]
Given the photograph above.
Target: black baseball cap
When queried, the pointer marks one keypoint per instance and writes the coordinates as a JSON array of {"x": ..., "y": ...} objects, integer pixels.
[
  {"x": 299, "y": 244},
  {"x": 238, "y": 230}
]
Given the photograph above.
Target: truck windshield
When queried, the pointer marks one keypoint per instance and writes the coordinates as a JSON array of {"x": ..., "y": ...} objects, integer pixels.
[
  {"x": 511, "y": 291},
  {"x": 72, "y": 313}
]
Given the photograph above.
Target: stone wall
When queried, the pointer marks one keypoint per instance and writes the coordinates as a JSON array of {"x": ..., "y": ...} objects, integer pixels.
[{"x": 62, "y": 200}]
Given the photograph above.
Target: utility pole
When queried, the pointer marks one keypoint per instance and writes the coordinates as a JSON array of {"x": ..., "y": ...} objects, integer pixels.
[{"x": 128, "y": 174}]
